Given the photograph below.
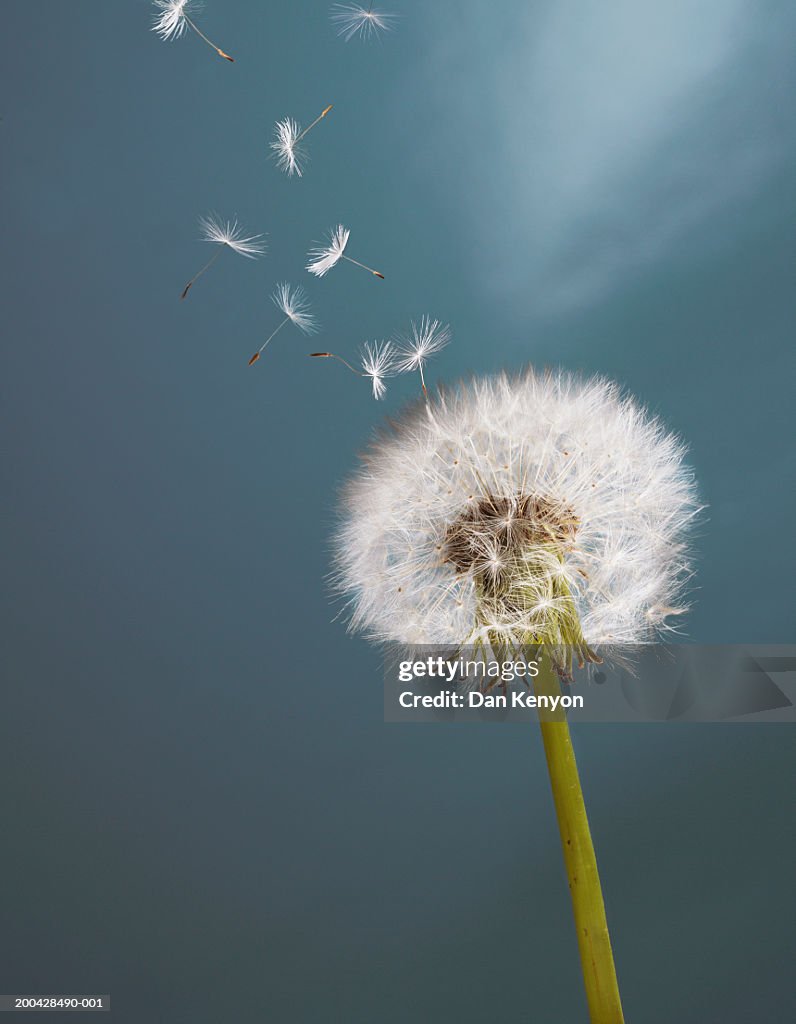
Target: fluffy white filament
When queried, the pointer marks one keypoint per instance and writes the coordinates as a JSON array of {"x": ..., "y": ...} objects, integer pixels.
[
  {"x": 296, "y": 306},
  {"x": 229, "y": 233},
  {"x": 576, "y": 443},
  {"x": 173, "y": 17},
  {"x": 425, "y": 340},
  {"x": 324, "y": 257},
  {"x": 290, "y": 156},
  {"x": 378, "y": 362},
  {"x": 170, "y": 19},
  {"x": 288, "y": 135},
  {"x": 353, "y": 19}
]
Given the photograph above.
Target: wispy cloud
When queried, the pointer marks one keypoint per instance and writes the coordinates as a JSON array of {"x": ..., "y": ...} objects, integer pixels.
[{"x": 593, "y": 139}]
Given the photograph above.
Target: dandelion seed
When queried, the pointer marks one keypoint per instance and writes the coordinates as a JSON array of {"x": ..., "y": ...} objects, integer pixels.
[
  {"x": 226, "y": 234},
  {"x": 173, "y": 18},
  {"x": 378, "y": 362},
  {"x": 425, "y": 340},
  {"x": 324, "y": 257},
  {"x": 296, "y": 306},
  {"x": 352, "y": 19},
  {"x": 290, "y": 155},
  {"x": 286, "y": 147}
]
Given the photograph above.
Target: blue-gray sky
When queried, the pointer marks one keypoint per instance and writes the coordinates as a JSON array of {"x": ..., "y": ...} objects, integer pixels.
[{"x": 205, "y": 814}]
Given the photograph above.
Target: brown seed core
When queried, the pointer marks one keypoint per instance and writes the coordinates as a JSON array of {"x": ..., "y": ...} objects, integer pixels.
[{"x": 497, "y": 527}]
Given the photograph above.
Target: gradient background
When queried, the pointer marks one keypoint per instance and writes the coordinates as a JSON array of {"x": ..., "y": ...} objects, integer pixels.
[{"x": 203, "y": 813}]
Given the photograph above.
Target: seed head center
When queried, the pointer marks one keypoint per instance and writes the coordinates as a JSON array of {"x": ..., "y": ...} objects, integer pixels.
[{"x": 493, "y": 532}]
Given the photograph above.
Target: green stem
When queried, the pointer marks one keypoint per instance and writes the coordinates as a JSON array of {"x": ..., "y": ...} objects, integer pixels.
[{"x": 594, "y": 942}]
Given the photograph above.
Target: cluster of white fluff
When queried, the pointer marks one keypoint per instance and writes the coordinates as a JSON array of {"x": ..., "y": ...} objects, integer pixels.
[
  {"x": 171, "y": 18},
  {"x": 324, "y": 257},
  {"x": 576, "y": 443},
  {"x": 353, "y": 19},
  {"x": 231, "y": 234},
  {"x": 289, "y": 155}
]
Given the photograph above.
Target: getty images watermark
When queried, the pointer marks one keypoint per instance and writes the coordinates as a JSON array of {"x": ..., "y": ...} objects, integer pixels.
[
  {"x": 491, "y": 689},
  {"x": 654, "y": 683}
]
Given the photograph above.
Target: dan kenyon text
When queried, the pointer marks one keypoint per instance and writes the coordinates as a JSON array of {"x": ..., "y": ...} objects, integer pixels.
[
  {"x": 444, "y": 670},
  {"x": 477, "y": 699}
]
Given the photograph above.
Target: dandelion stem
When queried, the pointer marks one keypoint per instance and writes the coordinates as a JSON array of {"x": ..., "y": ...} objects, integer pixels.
[
  {"x": 196, "y": 277},
  {"x": 358, "y": 264},
  {"x": 259, "y": 351},
  {"x": 594, "y": 942},
  {"x": 331, "y": 355},
  {"x": 309, "y": 127},
  {"x": 209, "y": 42}
]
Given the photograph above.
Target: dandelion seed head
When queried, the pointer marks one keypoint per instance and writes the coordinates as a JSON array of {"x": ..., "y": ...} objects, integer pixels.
[
  {"x": 323, "y": 258},
  {"x": 475, "y": 516},
  {"x": 170, "y": 17},
  {"x": 295, "y": 304},
  {"x": 353, "y": 19},
  {"x": 378, "y": 362},
  {"x": 426, "y": 339},
  {"x": 229, "y": 233},
  {"x": 290, "y": 155}
]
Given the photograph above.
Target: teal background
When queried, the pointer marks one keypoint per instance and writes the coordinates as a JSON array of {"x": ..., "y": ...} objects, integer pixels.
[{"x": 203, "y": 813}]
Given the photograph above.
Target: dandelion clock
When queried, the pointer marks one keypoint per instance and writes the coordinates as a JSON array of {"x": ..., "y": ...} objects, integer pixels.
[{"x": 544, "y": 510}]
